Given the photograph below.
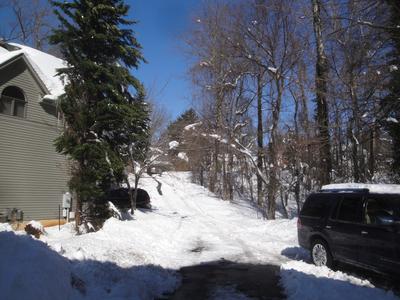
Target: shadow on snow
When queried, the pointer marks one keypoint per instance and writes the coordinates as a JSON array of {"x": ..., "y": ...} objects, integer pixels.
[{"x": 382, "y": 281}]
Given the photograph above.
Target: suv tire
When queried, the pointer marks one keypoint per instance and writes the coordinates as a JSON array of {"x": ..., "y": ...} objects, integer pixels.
[{"x": 320, "y": 254}]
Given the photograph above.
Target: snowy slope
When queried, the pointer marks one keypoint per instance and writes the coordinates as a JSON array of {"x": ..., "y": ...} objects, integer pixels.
[{"x": 138, "y": 259}]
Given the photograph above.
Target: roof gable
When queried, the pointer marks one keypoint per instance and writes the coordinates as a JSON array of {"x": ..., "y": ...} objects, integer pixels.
[{"x": 44, "y": 67}]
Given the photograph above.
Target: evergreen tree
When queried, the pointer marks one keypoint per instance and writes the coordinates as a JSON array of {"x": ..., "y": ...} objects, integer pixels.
[
  {"x": 176, "y": 132},
  {"x": 103, "y": 119},
  {"x": 175, "y": 129},
  {"x": 391, "y": 103}
]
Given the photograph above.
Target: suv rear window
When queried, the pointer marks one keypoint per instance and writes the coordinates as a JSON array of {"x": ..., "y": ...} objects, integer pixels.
[
  {"x": 350, "y": 209},
  {"x": 316, "y": 205}
]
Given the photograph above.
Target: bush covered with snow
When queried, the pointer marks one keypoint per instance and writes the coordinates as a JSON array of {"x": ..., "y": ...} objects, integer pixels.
[{"x": 34, "y": 228}]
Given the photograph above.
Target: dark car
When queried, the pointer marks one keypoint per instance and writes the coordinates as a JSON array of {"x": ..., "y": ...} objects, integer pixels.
[
  {"x": 120, "y": 198},
  {"x": 352, "y": 226}
]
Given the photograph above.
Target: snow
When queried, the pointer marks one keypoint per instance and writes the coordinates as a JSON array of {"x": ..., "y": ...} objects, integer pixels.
[
  {"x": 302, "y": 280},
  {"x": 393, "y": 68},
  {"x": 183, "y": 156},
  {"x": 272, "y": 69},
  {"x": 392, "y": 120},
  {"x": 173, "y": 144},
  {"x": 192, "y": 126},
  {"x": 45, "y": 65},
  {"x": 5, "y": 227},
  {"x": 138, "y": 258},
  {"x": 373, "y": 188},
  {"x": 114, "y": 210},
  {"x": 31, "y": 270},
  {"x": 3, "y": 50},
  {"x": 5, "y": 57}
]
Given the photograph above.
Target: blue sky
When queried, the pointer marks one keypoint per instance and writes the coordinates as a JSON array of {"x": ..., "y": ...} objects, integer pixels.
[{"x": 161, "y": 29}]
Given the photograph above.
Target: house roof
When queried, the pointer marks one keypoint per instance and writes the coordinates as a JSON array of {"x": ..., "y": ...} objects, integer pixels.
[{"x": 43, "y": 65}]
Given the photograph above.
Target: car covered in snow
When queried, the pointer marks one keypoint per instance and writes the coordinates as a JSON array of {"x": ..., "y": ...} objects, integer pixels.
[
  {"x": 354, "y": 224},
  {"x": 121, "y": 199}
]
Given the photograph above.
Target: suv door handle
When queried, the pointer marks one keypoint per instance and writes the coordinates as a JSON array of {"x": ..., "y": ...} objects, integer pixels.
[{"x": 364, "y": 232}]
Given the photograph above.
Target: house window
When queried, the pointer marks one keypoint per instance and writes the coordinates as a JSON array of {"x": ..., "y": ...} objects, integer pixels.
[{"x": 12, "y": 102}]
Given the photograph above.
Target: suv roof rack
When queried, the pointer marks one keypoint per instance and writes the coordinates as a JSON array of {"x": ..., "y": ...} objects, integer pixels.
[{"x": 345, "y": 190}]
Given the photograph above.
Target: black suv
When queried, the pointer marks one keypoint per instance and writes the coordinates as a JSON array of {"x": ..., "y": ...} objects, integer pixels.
[
  {"x": 352, "y": 226},
  {"x": 121, "y": 199}
]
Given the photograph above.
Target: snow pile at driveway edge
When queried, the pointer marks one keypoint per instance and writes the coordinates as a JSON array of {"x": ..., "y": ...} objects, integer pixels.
[
  {"x": 31, "y": 270},
  {"x": 302, "y": 280}
]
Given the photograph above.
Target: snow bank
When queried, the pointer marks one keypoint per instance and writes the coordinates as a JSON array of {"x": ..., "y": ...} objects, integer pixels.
[
  {"x": 31, "y": 270},
  {"x": 305, "y": 281},
  {"x": 373, "y": 188},
  {"x": 5, "y": 227},
  {"x": 138, "y": 258}
]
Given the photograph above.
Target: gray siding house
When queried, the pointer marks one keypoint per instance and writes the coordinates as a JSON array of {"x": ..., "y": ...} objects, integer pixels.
[{"x": 33, "y": 176}]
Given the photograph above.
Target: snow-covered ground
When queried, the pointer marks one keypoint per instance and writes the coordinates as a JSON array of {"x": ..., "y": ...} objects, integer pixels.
[{"x": 138, "y": 259}]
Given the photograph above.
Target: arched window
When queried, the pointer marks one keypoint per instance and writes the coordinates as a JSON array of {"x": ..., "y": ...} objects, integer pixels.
[{"x": 12, "y": 102}]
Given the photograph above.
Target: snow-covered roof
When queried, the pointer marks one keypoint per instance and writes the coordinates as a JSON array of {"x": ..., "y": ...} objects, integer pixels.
[
  {"x": 44, "y": 65},
  {"x": 373, "y": 188},
  {"x": 6, "y": 56}
]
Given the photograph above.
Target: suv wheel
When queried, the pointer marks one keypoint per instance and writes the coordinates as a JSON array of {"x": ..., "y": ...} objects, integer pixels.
[{"x": 320, "y": 254}]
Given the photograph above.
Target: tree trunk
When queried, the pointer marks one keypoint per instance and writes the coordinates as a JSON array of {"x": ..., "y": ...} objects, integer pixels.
[
  {"x": 357, "y": 164},
  {"x": 230, "y": 176},
  {"x": 273, "y": 155},
  {"x": 214, "y": 168},
  {"x": 134, "y": 196},
  {"x": 224, "y": 177},
  {"x": 297, "y": 170},
  {"x": 201, "y": 175},
  {"x": 371, "y": 161},
  {"x": 78, "y": 211},
  {"x": 321, "y": 78},
  {"x": 260, "y": 142}
]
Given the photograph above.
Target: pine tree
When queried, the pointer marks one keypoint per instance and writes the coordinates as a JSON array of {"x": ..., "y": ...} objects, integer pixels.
[
  {"x": 176, "y": 132},
  {"x": 391, "y": 103},
  {"x": 103, "y": 119},
  {"x": 175, "y": 129}
]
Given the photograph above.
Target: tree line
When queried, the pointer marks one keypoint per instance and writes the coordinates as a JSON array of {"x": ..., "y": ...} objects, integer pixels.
[{"x": 291, "y": 95}]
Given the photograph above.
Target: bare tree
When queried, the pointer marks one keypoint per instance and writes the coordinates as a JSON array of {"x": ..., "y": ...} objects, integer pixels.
[
  {"x": 30, "y": 22},
  {"x": 321, "y": 78}
]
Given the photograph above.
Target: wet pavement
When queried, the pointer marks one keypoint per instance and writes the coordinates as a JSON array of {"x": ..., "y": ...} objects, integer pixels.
[{"x": 252, "y": 280}]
